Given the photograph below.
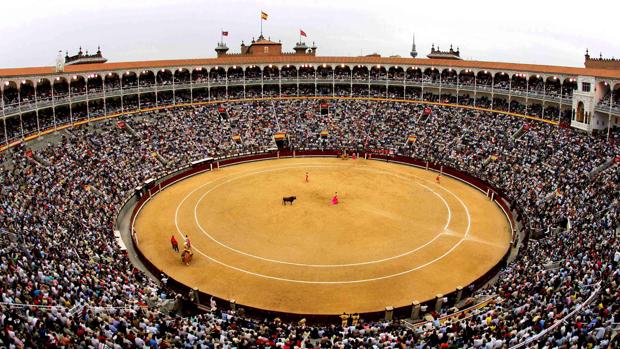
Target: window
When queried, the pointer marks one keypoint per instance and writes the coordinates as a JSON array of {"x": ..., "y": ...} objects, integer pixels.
[{"x": 585, "y": 86}]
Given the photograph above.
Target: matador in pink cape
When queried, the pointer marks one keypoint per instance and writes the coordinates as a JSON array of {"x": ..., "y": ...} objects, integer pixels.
[{"x": 335, "y": 199}]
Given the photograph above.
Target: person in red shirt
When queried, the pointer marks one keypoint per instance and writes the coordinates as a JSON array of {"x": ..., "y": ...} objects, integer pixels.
[
  {"x": 175, "y": 244},
  {"x": 437, "y": 179}
]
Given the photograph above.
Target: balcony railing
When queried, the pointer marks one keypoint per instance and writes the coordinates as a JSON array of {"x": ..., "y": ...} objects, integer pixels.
[{"x": 422, "y": 83}]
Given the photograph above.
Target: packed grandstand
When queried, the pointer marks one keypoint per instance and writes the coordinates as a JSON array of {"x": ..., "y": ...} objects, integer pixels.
[{"x": 78, "y": 141}]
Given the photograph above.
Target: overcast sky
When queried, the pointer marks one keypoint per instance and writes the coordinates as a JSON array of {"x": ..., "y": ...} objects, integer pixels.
[{"x": 526, "y": 31}]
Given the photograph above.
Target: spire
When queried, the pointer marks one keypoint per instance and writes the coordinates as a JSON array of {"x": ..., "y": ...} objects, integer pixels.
[{"x": 413, "y": 52}]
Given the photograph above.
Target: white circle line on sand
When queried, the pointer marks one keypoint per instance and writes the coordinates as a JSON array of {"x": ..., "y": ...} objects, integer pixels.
[
  {"x": 249, "y": 173},
  {"x": 342, "y": 281},
  {"x": 347, "y": 281}
]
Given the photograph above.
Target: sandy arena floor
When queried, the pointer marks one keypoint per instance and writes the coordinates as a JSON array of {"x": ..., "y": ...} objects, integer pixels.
[{"x": 396, "y": 236}]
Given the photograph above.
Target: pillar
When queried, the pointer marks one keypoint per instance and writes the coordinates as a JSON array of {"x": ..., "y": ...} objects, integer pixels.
[
  {"x": 195, "y": 295},
  {"x": 389, "y": 313},
  {"x": 438, "y": 302},
  {"x": 233, "y": 305},
  {"x": 459, "y": 293},
  {"x": 415, "y": 310}
]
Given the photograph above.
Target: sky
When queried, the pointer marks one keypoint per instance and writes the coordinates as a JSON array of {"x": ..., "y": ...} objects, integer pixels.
[{"x": 522, "y": 31}]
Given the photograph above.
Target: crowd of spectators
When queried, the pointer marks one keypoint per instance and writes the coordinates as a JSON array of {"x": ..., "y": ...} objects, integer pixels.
[{"x": 65, "y": 283}]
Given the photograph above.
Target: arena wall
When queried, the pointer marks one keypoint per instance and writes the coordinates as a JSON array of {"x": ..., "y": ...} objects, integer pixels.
[{"x": 143, "y": 195}]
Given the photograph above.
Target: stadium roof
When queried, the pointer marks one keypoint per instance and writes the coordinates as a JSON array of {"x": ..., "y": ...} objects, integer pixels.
[{"x": 300, "y": 59}]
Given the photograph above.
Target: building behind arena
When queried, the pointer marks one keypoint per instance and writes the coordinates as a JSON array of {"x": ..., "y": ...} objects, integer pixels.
[{"x": 36, "y": 100}]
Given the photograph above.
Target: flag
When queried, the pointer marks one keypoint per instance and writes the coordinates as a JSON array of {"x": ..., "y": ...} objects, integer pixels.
[
  {"x": 263, "y": 15},
  {"x": 224, "y": 33},
  {"x": 302, "y": 33}
]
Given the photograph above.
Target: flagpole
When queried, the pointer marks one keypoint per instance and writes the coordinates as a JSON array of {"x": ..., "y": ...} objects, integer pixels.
[
  {"x": 261, "y": 24},
  {"x": 221, "y": 35}
]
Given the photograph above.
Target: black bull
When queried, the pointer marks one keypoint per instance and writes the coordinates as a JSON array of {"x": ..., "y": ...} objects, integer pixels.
[{"x": 288, "y": 199}]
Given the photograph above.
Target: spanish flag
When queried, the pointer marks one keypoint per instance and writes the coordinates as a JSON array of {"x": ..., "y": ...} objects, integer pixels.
[{"x": 263, "y": 15}]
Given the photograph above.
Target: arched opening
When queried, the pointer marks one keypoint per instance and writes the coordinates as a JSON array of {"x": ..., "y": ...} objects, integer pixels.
[
  {"x": 200, "y": 75},
  {"x": 61, "y": 87},
  {"x": 501, "y": 81},
  {"x": 413, "y": 74},
  {"x": 112, "y": 82},
  {"x": 252, "y": 73},
  {"x": 181, "y": 76},
  {"x": 324, "y": 72},
  {"x": 147, "y": 78},
  {"x": 164, "y": 77},
  {"x": 235, "y": 73},
  {"x": 484, "y": 79},
  {"x": 63, "y": 115},
  {"x": 378, "y": 72},
  {"x": 236, "y": 91},
  {"x": 342, "y": 89},
  {"x": 449, "y": 76},
  {"x": 342, "y": 73},
  {"x": 13, "y": 128},
  {"x": 130, "y": 102},
  {"x": 413, "y": 92},
  {"x": 396, "y": 73},
  {"x": 30, "y": 123},
  {"x": 94, "y": 83},
  {"x": 536, "y": 84},
  {"x": 306, "y": 72},
  {"x": 519, "y": 82},
  {"x": 553, "y": 86},
  {"x": 44, "y": 90},
  {"x": 2, "y": 133},
  {"x": 113, "y": 105},
  {"x": 219, "y": 93},
  {"x": 79, "y": 111},
  {"x": 568, "y": 86},
  {"x": 289, "y": 72},
  {"x": 500, "y": 103},
  {"x": 271, "y": 73},
  {"x": 46, "y": 119},
  {"x": 602, "y": 93},
  {"x": 360, "y": 73},
  {"x": 77, "y": 85},
  {"x": 534, "y": 108},
  {"x": 467, "y": 77},
  {"x": 95, "y": 108},
  {"x": 431, "y": 75},
  {"x": 129, "y": 80},
  {"x": 580, "y": 112},
  {"x": 26, "y": 91},
  {"x": 551, "y": 111}
]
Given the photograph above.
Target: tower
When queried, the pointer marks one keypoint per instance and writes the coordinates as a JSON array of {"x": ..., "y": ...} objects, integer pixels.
[
  {"x": 221, "y": 49},
  {"x": 60, "y": 63},
  {"x": 413, "y": 52}
]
